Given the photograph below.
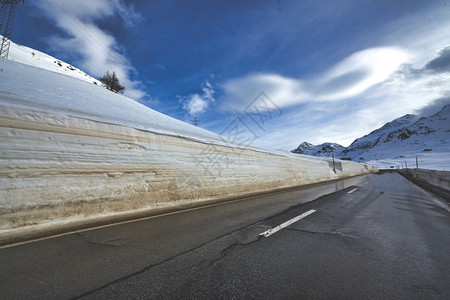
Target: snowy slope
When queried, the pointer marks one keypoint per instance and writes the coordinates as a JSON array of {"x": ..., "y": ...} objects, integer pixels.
[
  {"x": 404, "y": 136},
  {"x": 29, "y": 56},
  {"x": 376, "y": 137},
  {"x": 83, "y": 99}
]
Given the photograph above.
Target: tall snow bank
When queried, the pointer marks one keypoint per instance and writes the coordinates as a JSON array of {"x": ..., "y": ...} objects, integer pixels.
[{"x": 73, "y": 154}]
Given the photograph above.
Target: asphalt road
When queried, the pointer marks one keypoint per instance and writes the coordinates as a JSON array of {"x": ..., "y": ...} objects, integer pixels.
[{"x": 369, "y": 237}]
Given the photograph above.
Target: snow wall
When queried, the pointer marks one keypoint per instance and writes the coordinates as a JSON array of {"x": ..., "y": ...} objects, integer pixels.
[
  {"x": 436, "y": 178},
  {"x": 436, "y": 181},
  {"x": 75, "y": 171},
  {"x": 62, "y": 171}
]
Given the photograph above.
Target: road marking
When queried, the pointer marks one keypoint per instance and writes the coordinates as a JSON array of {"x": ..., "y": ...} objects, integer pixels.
[
  {"x": 286, "y": 224},
  {"x": 352, "y": 191}
]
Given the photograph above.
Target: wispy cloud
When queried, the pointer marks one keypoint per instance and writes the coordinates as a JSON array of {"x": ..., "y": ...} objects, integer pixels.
[
  {"x": 94, "y": 49},
  {"x": 350, "y": 77},
  {"x": 196, "y": 104}
]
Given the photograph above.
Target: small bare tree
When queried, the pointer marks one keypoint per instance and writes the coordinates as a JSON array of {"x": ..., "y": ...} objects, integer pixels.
[{"x": 112, "y": 83}]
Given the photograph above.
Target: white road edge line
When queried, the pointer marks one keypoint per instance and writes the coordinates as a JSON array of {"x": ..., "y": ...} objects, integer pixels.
[
  {"x": 352, "y": 191},
  {"x": 286, "y": 224}
]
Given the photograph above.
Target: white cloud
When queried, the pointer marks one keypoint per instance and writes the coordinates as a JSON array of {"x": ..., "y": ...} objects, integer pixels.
[
  {"x": 196, "y": 104},
  {"x": 283, "y": 90},
  {"x": 96, "y": 50},
  {"x": 359, "y": 72},
  {"x": 350, "y": 77}
]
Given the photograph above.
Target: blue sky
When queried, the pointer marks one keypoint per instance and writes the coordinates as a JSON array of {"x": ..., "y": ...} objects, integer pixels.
[{"x": 331, "y": 70}]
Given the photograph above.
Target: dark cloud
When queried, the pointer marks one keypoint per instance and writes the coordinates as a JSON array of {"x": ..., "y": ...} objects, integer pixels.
[
  {"x": 441, "y": 63},
  {"x": 433, "y": 107}
]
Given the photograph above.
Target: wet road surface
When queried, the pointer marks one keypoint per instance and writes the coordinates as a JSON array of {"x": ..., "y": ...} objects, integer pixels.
[{"x": 371, "y": 237}]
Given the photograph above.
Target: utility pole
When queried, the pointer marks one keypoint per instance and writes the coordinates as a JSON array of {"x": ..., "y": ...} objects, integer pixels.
[
  {"x": 195, "y": 121},
  {"x": 334, "y": 164},
  {"x": 7, "y": 14}
]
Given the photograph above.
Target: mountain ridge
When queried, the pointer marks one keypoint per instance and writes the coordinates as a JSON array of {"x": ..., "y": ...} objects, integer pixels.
[{"x": 407, "y": 135}]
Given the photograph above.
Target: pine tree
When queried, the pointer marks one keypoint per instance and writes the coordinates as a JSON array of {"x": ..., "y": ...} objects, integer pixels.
[{"x": 112, "y": 82}]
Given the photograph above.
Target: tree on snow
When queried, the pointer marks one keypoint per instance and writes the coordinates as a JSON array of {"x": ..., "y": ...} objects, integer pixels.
[{"x": 112, "y": 82}]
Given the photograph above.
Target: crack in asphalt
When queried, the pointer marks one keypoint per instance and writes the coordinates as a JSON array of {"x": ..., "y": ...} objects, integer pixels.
[
  {"x": 208, "y": 262},
  {"x": 106, "y": 243},
  {"x": 230, "y": 248},
  {"x": 337, "y": 232},
  {"x": 223, "y": 253}
]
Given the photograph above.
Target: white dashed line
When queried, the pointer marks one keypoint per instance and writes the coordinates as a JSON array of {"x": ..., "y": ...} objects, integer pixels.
[
  {"x": 286, "y": 224},
  {"x": 352, "y": 191}
]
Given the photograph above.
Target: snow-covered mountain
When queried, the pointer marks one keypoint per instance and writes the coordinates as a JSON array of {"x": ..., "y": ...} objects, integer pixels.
[
  {"x": 407, "y": 136},
  {"x": 324, "y": 150}
]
